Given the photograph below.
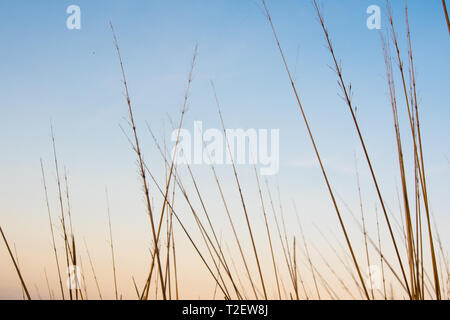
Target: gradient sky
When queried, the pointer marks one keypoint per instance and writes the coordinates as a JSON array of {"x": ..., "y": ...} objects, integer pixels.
[{"x": 72, "y": 78}]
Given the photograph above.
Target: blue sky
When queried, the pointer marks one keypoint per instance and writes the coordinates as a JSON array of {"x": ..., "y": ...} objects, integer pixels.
[
  {"x": 51, "y": 72},
  {"x": 73, "y": 78}
]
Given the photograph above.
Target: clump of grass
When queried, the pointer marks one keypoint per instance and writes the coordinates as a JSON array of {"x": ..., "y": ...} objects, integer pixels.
[
  {"x": 22, "y": 282},
  {"x": 444, "y": 7},
  {"x": 250, "y": 232},
  {"x": 112, "y": 246},
  {"x": 51, "y": 230},
  {"x": 319, "y": 159},
  {"x": 164, "y": 282}
]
